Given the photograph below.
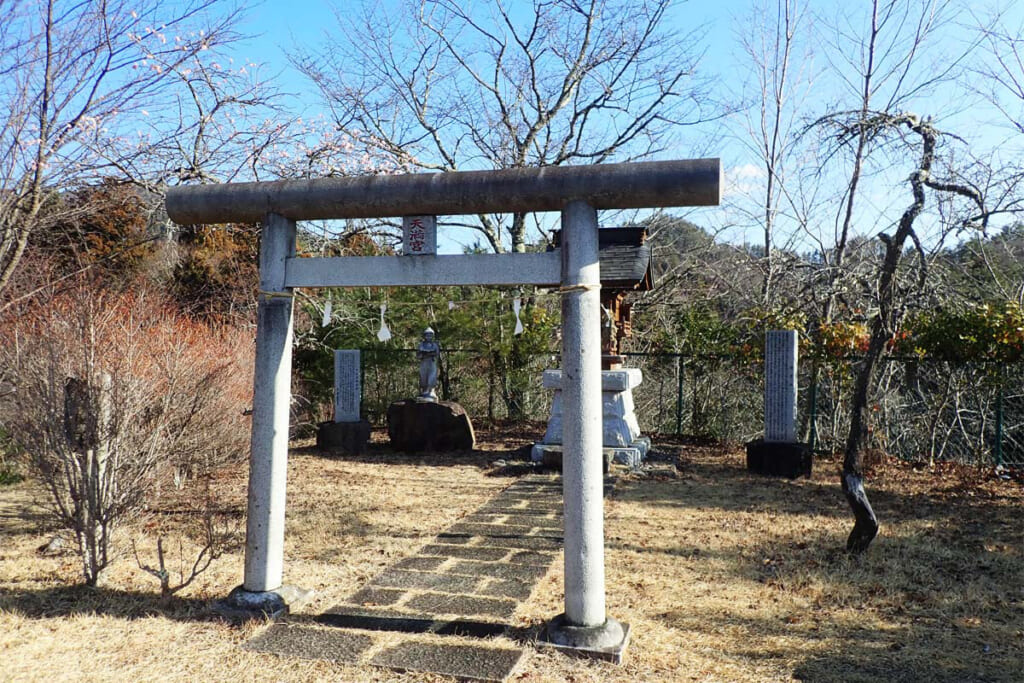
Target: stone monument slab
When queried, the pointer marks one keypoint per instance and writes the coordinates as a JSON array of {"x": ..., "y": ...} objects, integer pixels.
[
  {"x": 347, "y": 432},
  {"x": 347, "y": 385},
  {"x": 780, "y": 388},
  {"x": 779, "y": 453}
]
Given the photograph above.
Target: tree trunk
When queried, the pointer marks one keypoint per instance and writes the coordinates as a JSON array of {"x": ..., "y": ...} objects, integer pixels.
[
  {"x": 883, "y": 325},
  {"x": 865, "y": 526}
]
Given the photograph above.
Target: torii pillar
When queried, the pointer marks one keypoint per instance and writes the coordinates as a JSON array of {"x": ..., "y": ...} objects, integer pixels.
[
  {"x": 575, "y": 191},
  {"x": 584, "y": 626}
]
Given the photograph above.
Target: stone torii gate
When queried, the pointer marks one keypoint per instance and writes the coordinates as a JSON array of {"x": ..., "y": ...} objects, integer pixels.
[{"x": 577, "y": 192}]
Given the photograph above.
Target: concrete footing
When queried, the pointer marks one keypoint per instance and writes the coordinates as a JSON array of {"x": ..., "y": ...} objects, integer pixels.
[
  {"x": 242, "y": 605},
  {"x": 779, "y": 458},
  {"x": 606, "y": 641},
  {"x": 350, "y": 437}
]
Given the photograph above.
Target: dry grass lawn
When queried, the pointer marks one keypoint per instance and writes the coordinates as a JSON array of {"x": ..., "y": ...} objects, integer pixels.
[{"x": 722, "y": 575}]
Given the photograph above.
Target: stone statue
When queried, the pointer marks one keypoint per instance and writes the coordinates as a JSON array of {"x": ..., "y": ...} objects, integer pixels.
[{"x": 427, "y": 353}]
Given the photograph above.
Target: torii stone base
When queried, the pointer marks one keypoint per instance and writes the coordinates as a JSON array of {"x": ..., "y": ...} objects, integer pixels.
[
  {"x": 242, "y": 605},
  {"x": 607, "y": 641}
]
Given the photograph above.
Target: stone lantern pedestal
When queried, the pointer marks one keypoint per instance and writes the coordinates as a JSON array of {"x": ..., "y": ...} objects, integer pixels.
[{"x": 621, "y": 440}]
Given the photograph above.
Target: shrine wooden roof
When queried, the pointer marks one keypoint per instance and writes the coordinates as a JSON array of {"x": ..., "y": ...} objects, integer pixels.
[{"x": 625, "y": 258}]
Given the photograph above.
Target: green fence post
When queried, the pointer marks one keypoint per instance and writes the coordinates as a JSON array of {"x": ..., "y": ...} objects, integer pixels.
[
  {"x": 679, "y": 395},
  {"x": 813, "y": 437},
  {"x": 998, "y": 450}
]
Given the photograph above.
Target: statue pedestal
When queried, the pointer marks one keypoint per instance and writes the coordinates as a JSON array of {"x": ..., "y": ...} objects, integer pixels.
[
  {"x": 620, "y": 434},
  {"x": 416, "y": 425}
]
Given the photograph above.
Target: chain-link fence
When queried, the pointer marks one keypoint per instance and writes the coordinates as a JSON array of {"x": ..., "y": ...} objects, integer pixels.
[{"x": 922, "y": 410}]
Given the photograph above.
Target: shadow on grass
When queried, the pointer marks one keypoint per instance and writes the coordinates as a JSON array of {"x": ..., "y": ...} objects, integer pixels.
[
  {"x": 900, "y": 655},
  {"x": 942, "y": 526},
  {"x": 65, "y": 601},
  {"x": 383, "y": 454},
  {"x": 941, "y": 575},
  {"x": 726, "y": 485},
  {"x": 26, "y": 520}
]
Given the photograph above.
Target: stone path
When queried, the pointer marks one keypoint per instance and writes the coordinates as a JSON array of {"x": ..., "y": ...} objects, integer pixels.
[{"x": 467, "y": 582}]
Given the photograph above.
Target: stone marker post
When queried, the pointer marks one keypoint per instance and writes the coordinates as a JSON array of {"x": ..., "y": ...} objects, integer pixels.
[
  {"x": 779, "y": 453},
  {"x": 780, "y": 389},
  {"x": 347, "y": 385}
]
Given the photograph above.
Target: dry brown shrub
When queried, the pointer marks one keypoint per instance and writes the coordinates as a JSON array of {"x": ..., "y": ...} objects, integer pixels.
[{"x": 111, "y": 393}]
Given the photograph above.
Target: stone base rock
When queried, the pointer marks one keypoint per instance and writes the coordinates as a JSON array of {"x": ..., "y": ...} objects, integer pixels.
[
  {"x": 242, "y": 605},
  {"x": 632, "y": 456},
  {"x": 607, "y": 641},
  {"x": 350, "y": 437},
  {"x": 779, "y": 459},
  {"x": 428, "y": 426}
]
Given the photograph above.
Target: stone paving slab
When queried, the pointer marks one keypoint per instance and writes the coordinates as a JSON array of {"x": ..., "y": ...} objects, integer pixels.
[
  {"x": 517, "y": 542},
  {"x": 534, "y": 557},
  {"x": 369, "y": 619},
  {"x": 471, "y": 662},
  {"x": 471, "y": 529},
  {"x": 449, "y": 583},
  {"x": 458, "y": 539},
  {"x": 371, "y": 595},
  {"x": 510, "y": 520},
  {"x": 440, "y": 603},
  {"x": 471, "y": 552},
  {"x": 423, "y": 564},
  {"x": 472, "y": 629},
  {"x": 507, "y": 510},
  {"x": 344, "y": 616},
  {"x": 507, "y": 588},
  {"x": 310, "y": 642},
  {"x": 498, "y": 570}
]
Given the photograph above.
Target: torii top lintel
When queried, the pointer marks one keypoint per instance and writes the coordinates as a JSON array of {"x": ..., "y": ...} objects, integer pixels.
[{"x": 692, "y": 182}]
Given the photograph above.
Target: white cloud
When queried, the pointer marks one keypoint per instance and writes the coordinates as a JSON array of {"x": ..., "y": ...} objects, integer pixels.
[{"x": 742, "y": 180}]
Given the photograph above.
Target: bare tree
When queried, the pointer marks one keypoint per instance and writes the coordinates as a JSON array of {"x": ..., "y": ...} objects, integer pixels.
[
  {"x": 886, "y": 65},
  {"x": 215, "y": 537},
  {"x": 886, "y": 62},
  {"x": 74, "y": 76},
  {"x": 999, "y": 75},
  {"x": 442, "y": 85},
  {"x": 222, "y": 122},
  {"x": 775, "y": 45},
  {"x": 888, "y": 298}
]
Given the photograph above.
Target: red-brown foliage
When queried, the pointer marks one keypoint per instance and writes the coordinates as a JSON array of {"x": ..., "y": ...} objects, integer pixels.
[{"x": 110, "y": 394}]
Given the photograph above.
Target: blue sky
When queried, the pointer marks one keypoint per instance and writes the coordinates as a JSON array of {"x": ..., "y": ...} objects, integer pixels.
[{"x": 283, "y": 25}]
